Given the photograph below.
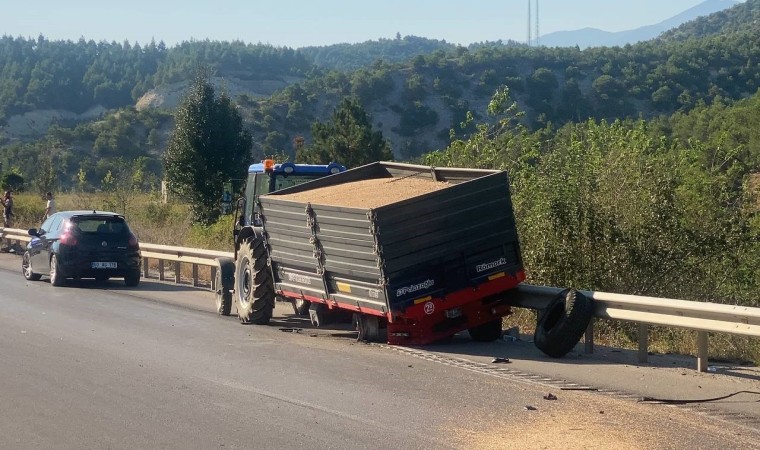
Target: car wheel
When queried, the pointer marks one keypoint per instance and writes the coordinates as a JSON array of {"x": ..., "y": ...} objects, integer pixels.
[
  {"x": 132, "y": 279},
  {"x": 56, "y": 277},
  {"x": 26, "y": 267}
]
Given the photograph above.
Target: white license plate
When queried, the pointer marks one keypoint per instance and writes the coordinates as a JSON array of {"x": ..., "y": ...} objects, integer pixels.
[{"x": 104, "y": 265}]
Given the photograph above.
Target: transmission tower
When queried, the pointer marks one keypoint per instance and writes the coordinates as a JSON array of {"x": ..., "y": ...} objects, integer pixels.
[
  {"x": 530, "y": 26},
  {"x": 538, "y": 31}
]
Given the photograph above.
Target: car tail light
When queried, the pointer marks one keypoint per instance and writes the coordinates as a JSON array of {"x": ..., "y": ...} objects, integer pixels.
[
  {"x": 133, "y": 242},
  {"x": 68, "y": 239}
]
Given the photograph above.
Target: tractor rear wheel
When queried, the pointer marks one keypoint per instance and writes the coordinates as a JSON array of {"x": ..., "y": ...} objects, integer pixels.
[{"x": 254, "y": 287}]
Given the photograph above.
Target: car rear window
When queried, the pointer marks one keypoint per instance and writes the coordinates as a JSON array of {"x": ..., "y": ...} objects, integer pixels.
[{"x": 100, "y": 225}]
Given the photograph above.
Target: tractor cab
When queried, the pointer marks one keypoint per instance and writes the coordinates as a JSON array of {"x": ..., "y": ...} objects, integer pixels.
[{"x": 268, "y": 176}]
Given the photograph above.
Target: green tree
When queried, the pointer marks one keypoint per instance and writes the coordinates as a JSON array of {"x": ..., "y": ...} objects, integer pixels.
[
  {"x": 208, "y": 147},
  {"x": 12, "y": 180},
  {"x": 46, "y": 178},
  {"x": 347, "y": 139}
]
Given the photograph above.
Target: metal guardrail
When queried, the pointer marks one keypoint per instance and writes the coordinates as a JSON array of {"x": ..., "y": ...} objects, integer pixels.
[
  {"x": 701, "y": 317},
  {"x": 161, "y": 253}
]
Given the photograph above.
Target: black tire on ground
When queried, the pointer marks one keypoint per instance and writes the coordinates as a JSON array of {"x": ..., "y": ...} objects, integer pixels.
[
  {"x": 223, "y": 285},
  {"x": 563, "y": 322},
  {"x": 301, "y": 306},
  {"x": 368, "y": 327},
  {"x": 254, "y": 287},
  {"x": 487, "y": 332},
  {"x": 132, "y": 278},
  {"x": 26, "y": 268},
  {"x": 56, "y": 277}
]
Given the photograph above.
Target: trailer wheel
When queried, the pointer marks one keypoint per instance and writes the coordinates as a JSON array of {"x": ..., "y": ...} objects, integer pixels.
[
  {"x": 224, "y": 281},
  {"x": 254, "y": 287},
  {"x": 301, "y": 306},
  {"x": 487, "y": 332},
  {"x": 563, "y": 322},
  {"x": 318, "y": 314},
  {"x": 368, "y": 327}
]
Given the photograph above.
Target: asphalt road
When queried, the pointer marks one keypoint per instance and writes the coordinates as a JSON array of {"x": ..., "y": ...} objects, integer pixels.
[{"x": 95, "y": 365}]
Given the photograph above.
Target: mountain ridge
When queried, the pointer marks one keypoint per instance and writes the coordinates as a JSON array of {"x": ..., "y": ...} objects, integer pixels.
[{"x": 594, "y": 37}]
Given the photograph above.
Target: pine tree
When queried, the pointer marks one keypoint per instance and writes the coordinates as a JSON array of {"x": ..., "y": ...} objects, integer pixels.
[
  {"x": 347, "y": 139},
  {"x": 208, "y": 147}
]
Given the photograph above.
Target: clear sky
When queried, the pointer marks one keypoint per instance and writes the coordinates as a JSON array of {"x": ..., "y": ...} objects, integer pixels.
[{"x": 299, "y": 23}]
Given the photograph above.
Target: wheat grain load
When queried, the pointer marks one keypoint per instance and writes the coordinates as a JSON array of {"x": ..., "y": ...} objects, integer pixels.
[{"x": 367, "y": 194}]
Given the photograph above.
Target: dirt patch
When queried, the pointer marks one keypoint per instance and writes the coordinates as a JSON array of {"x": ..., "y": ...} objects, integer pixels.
[
  {"x": 367, "y": 194},
  {"x": 587, "y": 421}
]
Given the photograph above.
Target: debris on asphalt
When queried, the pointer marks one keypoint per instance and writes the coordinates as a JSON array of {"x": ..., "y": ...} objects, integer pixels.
[
  {"x": 530, "y": 408},
  {"x": 291, "y": 330},
  {"x": 512, "y": 334},
  {"x": 550, "y": 396},
  {"x": 498, "y": 360}
]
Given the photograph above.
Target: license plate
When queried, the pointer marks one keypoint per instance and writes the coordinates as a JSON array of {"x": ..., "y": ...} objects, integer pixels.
[{"x": 104, "y": 265}]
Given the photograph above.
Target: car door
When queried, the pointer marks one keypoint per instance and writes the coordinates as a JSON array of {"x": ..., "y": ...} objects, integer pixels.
[
  {"x": 38, "y": 249},
  {"x": 48, "y": 239}
]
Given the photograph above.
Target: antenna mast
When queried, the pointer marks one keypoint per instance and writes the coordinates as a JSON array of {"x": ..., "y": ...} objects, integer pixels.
[
  {"x": 538, "y": 31},
  {"x": 530, "y": 26}
]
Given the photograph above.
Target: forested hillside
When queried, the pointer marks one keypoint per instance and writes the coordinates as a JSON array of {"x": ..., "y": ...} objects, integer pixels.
[{"x": 76, "y": 100}]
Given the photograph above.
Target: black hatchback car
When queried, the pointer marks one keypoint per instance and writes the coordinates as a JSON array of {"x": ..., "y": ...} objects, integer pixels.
[{"x": 83, "y": 244}]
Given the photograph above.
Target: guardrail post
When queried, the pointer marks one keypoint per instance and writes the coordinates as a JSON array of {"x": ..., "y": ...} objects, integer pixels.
[
  {"x": 161, "y": 270},
  {"x": 195, "y": 274},
  {"x": 177, "y": 268},
  {"x": 145, "y": 267},
  {"x": 213, "y": 278},
  {"x": 643, "y": 342},
  {"x": 588, "y": 341},
  {"x": 702, "y": 357}
]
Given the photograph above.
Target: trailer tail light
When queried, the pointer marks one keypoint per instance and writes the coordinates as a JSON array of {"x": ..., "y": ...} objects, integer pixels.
[{"x": 68, "y": 238}]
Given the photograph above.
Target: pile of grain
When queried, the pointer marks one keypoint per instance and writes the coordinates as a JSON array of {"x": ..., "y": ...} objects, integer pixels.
[{"x": 367, "y": 194}]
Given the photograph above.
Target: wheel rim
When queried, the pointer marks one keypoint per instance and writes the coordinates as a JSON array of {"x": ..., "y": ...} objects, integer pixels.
[
  {"x": 245, "y": 282},
  {"x": 26, "y": 266},
  {"x": 53, "y": 268},
  {"x": 219, "y": 289}
]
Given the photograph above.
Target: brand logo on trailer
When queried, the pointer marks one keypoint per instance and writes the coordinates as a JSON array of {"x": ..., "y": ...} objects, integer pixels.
[
  {"x": 490, "y": 265},
  {"x": 429, "y": 308},
  {"x": 104, "y": 244},
  {"x": 415, "y": 287}
]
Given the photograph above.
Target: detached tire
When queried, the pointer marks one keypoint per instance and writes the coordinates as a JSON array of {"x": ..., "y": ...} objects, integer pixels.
[
  {"x": 224, "y": 282},
  {"x": 561, "y": 325},
  {"x": 487, "y": 332},
  {"x": 254, "y": 287}
]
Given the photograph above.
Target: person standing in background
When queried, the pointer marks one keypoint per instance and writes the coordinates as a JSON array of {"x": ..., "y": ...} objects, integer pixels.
[
  {"x": 49, "y": 207},
  {"x": 8, "y": 210}
]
